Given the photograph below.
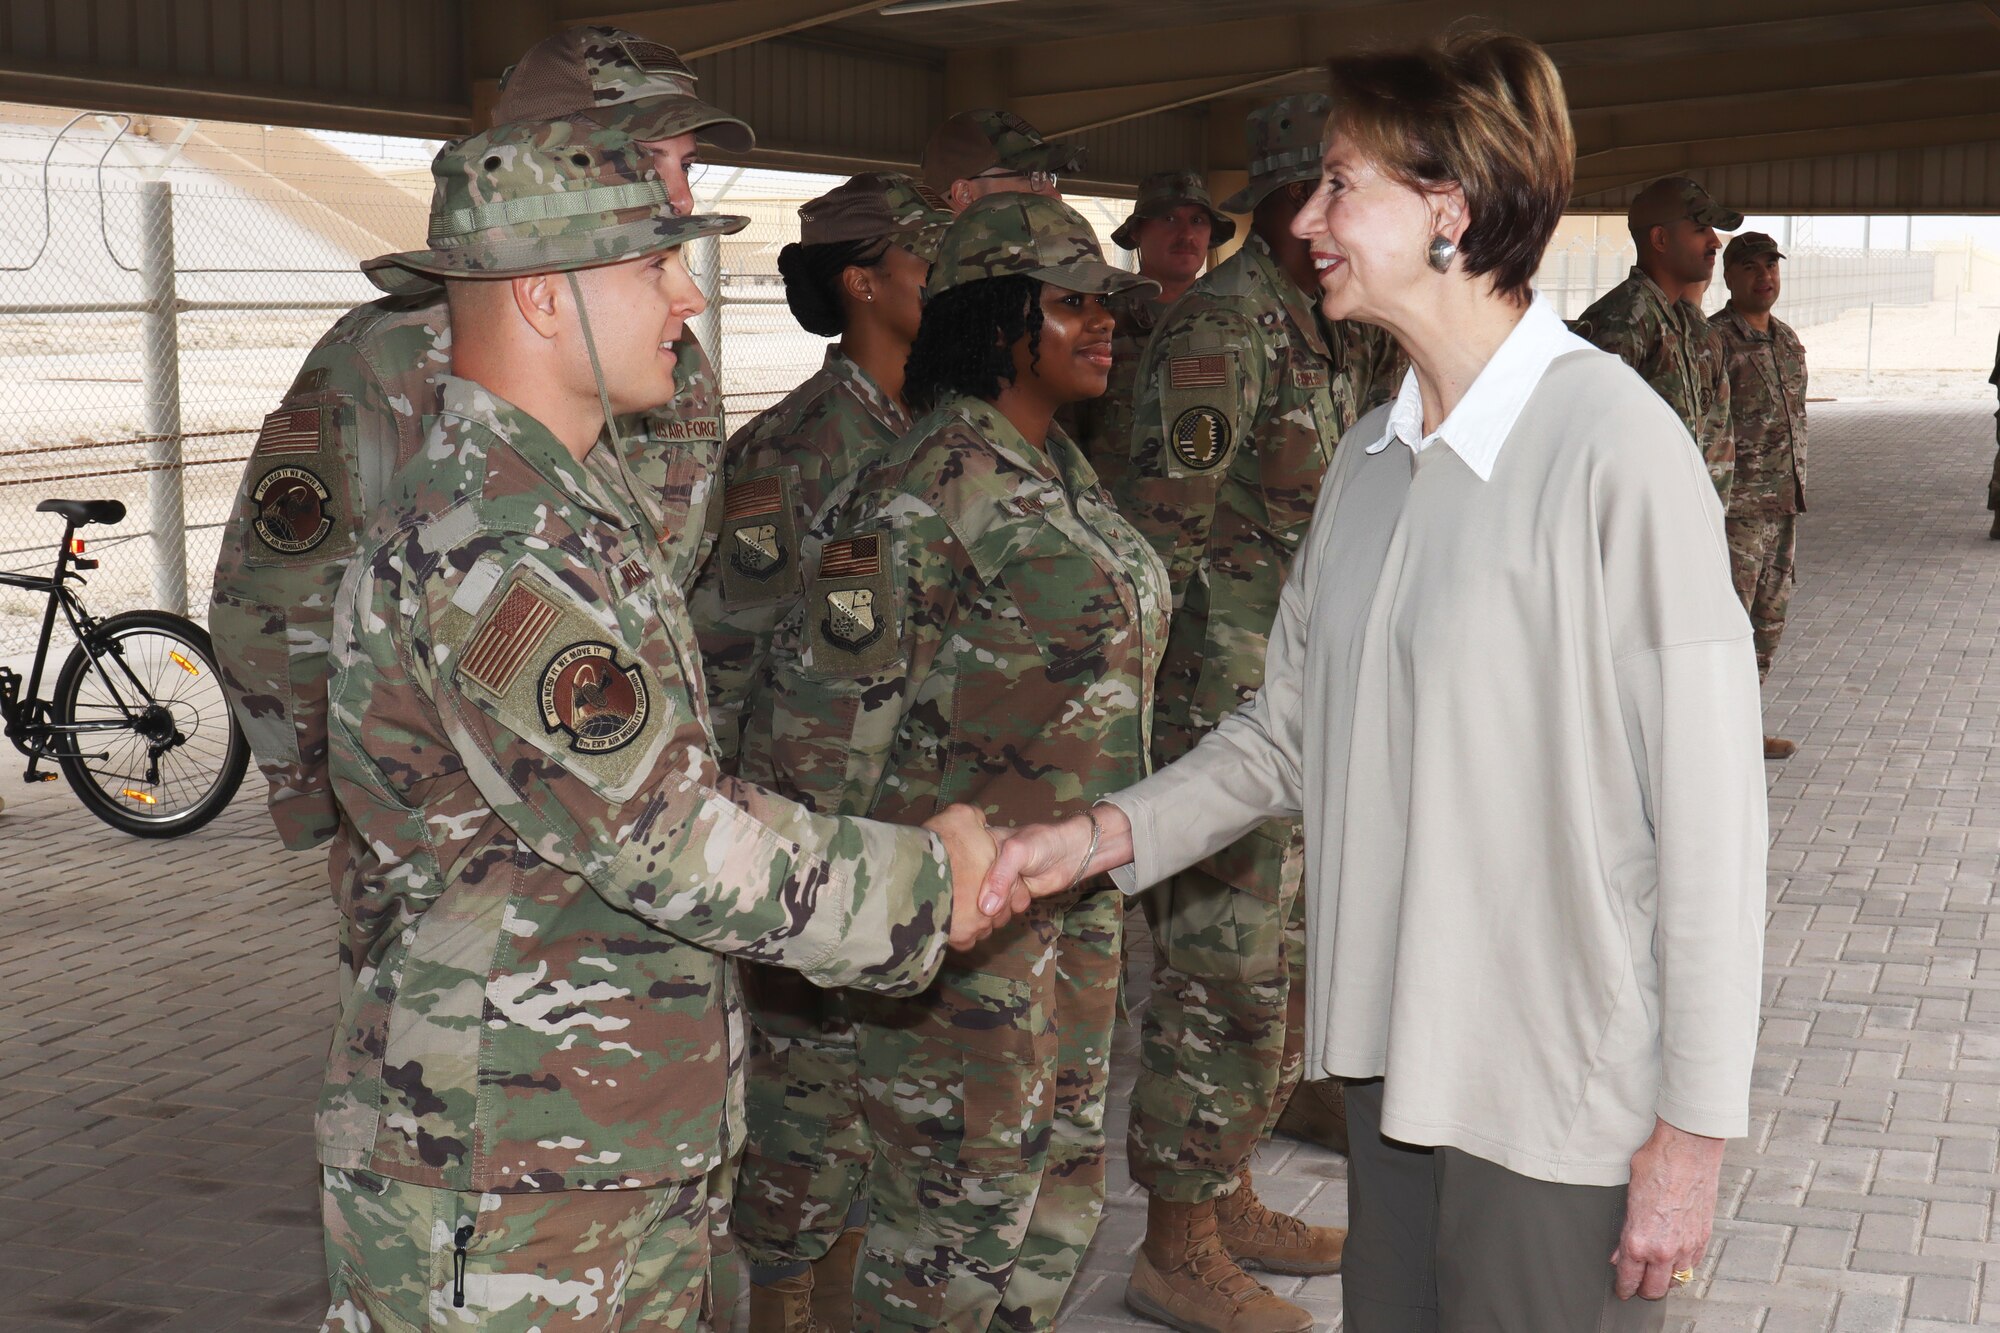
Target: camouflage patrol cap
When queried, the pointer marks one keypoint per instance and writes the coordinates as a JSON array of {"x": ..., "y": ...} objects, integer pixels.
[
  {"x": 541, "y": 197},
  {"x": 972, "y": 142},
  {"x": 1749, "y": 245},
  {"x": 1671, "y": 198},
  {"x": 1031, "y": 235},
  {"x": 1286, "y": 140},
  {"x": 620, "y": 80},
  {"x": 874, "y": 205},
  {"x": 1160, "y": 194}
]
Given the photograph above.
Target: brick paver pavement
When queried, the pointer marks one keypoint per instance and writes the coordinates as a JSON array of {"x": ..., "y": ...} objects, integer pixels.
[{"x": 165, "y": 1007}]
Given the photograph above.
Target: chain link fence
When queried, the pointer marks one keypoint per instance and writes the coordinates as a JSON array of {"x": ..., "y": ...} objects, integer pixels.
[{"x": 162, "y": 282}]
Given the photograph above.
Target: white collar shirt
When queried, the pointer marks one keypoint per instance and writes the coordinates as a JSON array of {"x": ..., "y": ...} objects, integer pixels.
[{"x": 1480, "y": 424}]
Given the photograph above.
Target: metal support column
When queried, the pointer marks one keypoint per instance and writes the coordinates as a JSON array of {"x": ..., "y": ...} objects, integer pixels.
[
  {"x": 160, "y": 328},
  {"x": 704, "y": 261}
]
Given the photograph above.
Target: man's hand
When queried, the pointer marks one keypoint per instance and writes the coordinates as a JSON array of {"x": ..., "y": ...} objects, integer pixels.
[
  {"x": 971, "y": 847},
  {"x": 1040, "y": 860},
  {"x": 1669, "y": 1210}
]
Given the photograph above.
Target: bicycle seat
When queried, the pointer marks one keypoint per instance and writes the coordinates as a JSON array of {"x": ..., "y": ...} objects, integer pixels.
[{"x": 80, "y": 512}]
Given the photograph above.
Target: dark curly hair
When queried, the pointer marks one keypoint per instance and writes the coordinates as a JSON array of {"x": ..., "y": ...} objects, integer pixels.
[
  {"x": 965, "y": 343},
  {"x": 812, "y": 280}
]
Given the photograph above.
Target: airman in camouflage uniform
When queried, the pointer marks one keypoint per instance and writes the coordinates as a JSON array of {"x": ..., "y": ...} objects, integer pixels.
[
  {"x": 977, "y": 153},
  {"x": 537, "y": 1056},
  {"x": 358, "y": 410},
  {"x": 1242, "y": 396},
  {"x": 980, "y": 625},
  {"x": 1102, "y": 427},
  {"x": 1647, "y": 321},
  {"x": 1767, "y": 405},
  {"x": 805, "y": 1147}
]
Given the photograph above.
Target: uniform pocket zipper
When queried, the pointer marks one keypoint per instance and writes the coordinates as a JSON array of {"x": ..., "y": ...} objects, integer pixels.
[{"x": 460, "y": 1239}]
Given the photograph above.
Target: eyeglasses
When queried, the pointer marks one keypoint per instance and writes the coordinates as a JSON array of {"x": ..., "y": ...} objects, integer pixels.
[{"x": 1037, "y": 180}]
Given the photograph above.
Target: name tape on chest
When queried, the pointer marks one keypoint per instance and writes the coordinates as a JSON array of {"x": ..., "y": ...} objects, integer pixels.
[
  {"x": 687, "y": 428},
  {"x": 1308, "y": 377}
]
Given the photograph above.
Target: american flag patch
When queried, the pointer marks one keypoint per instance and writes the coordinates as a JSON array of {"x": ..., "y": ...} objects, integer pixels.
[
  {"x": 655, "y": 58},
  {"x": 1198, "y": 372},
  {"x": 496, "y": 655},
  {"x": 765, "y": 495},
  {"x": 290, "y": 431},
  {"x": 851, "y": 558}
]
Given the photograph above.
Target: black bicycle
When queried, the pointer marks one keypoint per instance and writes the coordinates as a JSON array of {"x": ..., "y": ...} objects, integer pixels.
[{"x": 137, "y": 720}]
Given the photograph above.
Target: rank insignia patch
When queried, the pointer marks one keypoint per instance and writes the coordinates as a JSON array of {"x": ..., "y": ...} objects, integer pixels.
[
  {"x": 294, "y": 508},
  {"x": 588, "y": 695},
  {"x": 1200, "y": 438}
]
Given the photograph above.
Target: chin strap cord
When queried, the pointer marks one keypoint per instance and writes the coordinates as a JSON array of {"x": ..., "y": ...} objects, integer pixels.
[{"x": 616, "y": 441}]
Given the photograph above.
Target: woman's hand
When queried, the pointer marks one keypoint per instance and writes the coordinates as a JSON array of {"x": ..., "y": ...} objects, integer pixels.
[
  {"x": 1669, "y": 1210},
  {"x": 1040, "y": 860}
]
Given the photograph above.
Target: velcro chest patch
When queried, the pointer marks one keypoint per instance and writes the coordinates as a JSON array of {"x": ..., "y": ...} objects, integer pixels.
[
  {"x": 851, "y": 623},
  {"x": 759, "y": 541},
  {"x": 557, "y": 678}
]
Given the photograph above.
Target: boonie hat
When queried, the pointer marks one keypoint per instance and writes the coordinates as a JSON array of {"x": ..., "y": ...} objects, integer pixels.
[
  {"x": 1164, "y": 191},
  {"x": 1671, "y": 198},
  {"x": 541, "y": 197},
  {"x": 975, "y": 141},
  {"x": 1031, "y": 235},
  {"x": 1286, "y": 141},
  {"x": 620, "y": 80},
  {"x": 1748, "y": 245},
  {"x": 873, "y": 205}
]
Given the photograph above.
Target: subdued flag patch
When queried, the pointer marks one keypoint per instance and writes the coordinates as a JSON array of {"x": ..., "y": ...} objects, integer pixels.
[
  {"x": 292, "y": 430},
  {"x": 1209, "y": 371},
  {"x": 851, "y": 558},
  {"x": 495, "y": 657}
]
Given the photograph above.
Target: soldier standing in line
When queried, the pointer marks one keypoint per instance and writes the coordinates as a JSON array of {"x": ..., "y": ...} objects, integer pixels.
[
  {"x": 356, "y": 412},
  {"x": 1767, "y": 410},
  {"x": 1649, "y": 322},
  {"x": 1242, "y": 396},
  {"x": 1993, "y": 486},
  {"x": 980, "y": 624},
  {"x": 977, "y": 153},
  {"x": 540, "y": 866},
  {"x": 1173, "y": 226},
  {"x": 857, "y": 273}
]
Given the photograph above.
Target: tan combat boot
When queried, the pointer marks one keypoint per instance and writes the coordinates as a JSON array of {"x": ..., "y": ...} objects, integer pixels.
[
  {"x": 785, "y": 1306},
  {"x": 1256, "y": 1237},
  {"x": 833, "y": 1283},
  {"x": 1317, "y": 1113},
  {"x": 1183, "y": 1278}
]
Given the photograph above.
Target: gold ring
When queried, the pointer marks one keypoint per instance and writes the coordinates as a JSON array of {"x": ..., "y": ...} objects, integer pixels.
[{"x": 1683, "y": 1275}]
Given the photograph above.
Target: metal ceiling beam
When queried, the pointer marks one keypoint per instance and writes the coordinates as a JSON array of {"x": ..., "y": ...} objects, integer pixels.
[
  {"x": 704, "y": 29},
  {"x": 1057, "y": 114},
  {"x": 1612, "y": 170},
  {"x": 1752, "y": 72},
  {"x": 142, "y": 92},
  {"x": 1793, "y": 110}
]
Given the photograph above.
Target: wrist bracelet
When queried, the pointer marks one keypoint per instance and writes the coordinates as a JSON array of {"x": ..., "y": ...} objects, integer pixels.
[{"x": 1089, "y": 852}]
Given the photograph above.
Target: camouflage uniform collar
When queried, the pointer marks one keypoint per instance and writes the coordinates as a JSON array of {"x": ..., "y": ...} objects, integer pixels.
[
  {"x": 473, "y": 402},
  {"x": 1734, "y": 318},
  {"x": 844, "y": 369},
  {"x": 1059, "y": 452},
  {"x": 1299, "y": 306},
  {"x": 1672, "y": 310}
]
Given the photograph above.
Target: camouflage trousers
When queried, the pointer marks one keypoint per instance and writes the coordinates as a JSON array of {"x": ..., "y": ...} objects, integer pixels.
[
  {"x": 1993, "y": 486},
  {"x": 1761, "y": 555},
  {"x": 985, "y": 1099},
  {"x": 1223, "y": 1039},
  {"x": 806, "y": 1148},
  {"x": 404, "y": 1258}
]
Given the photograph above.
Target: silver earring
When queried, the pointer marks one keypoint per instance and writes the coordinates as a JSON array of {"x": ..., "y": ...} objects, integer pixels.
[{"x": 1442, "y": 251}]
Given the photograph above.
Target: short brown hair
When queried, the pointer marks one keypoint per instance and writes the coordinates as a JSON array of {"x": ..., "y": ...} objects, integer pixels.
[{"x": 1477, "y": 109}]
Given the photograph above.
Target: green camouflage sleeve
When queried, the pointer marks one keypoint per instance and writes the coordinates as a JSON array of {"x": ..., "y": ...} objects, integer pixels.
[
  {"x": 1202, "y": 390},
  {"x": 571, "y": 712},
  {"x": 857, "y": 656},
  {"x": 289, "y": 538},
  {"x": 1620, "y": 333}
]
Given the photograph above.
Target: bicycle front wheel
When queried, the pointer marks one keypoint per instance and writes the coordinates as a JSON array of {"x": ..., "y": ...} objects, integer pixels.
[{"x": 150, "y": 746}]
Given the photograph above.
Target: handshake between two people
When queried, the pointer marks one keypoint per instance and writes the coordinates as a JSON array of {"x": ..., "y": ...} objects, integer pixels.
[{"x": 997, "y": 873}]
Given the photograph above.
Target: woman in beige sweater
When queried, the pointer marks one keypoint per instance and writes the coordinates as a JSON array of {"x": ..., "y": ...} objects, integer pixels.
[{"x": 1514, "y": 699}]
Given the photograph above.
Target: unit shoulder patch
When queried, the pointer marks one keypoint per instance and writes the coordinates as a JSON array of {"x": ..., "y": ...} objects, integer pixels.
[
  {"x": 851, "y": 609},
  {"x": 300, "y": 490},
  {"x": 1200, "y": 438},
  {"x": 760, "y": 543}
]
